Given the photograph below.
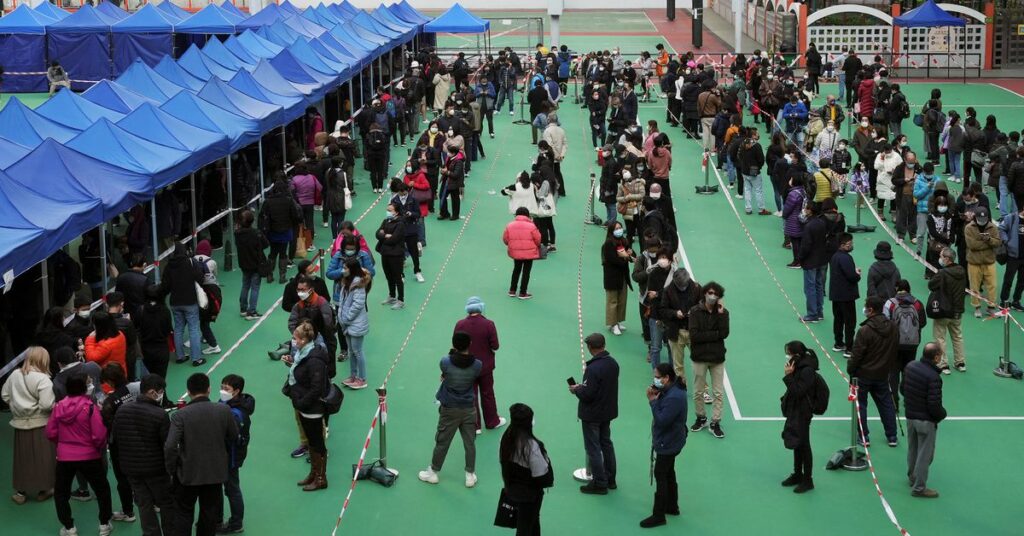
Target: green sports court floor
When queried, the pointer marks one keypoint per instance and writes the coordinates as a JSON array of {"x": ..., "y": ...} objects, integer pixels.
[{"x": 727, "y": 487}]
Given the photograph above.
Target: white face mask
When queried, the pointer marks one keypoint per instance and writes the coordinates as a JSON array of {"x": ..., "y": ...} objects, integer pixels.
[
  {"x": 433, "y": 130},
  {"x": 864, "y": 124},
  {"x": 451, "y": 133},
  {"x": 711, "y": 298},
  {"x": 830, "y": 128},
  {"x": 83, "y": 315},
  {"x": 303, "y": 294},
  {"x": 942, "y": 209},
  {"x": 408, "y": 169},
  {"x": 617, "y": 233},
  {"x": 664, "y": 263},
  {"x": 656, "y": 196},
  {"x": 90, "y": 389},
  {"x": 627, "y": 176},
  {"x": 658, "y": 383},
  {"x": 225, "y": 395},
  {"x": 160, "y": 398},
  {"x": 771, "y": 77}
]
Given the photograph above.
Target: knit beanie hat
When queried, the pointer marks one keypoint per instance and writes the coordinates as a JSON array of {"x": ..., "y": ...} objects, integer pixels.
[
  {"x": 474, "y": 305},
  {"x": 204, "y": 248}
]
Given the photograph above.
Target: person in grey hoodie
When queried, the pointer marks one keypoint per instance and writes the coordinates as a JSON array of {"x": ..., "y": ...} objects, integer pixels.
[
  {"x": 456, "y": 396},
  {"x": 883, "y": 273}
]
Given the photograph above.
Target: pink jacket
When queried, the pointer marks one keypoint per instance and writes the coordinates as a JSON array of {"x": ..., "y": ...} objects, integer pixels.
[
  {"x": 523, "y": 239},
  {"x": 77, "y": 428},
  {"x": 306, "y": 189},
  {"x": 341, "y": 236},
  {"x": 316, "y": 125}
]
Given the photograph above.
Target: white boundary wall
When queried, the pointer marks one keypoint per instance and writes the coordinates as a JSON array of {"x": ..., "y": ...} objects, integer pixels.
[{"x": 473, "y": 5}]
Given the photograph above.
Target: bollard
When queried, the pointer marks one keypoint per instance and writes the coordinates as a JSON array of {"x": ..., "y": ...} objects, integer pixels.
[
  {"x": 592, "y": 218},
  {"x": 854, "y": 461},
  {"x": 1003, "y": 370},
  {"x": 859, "y": 227},
  {"x": 707, "y": 188},
  {"x": 323, "y": 264}
]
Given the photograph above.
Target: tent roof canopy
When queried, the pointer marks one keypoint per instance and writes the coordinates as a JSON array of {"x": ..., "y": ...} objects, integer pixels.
[
  {"x": 24, "y": 20},
  {"x": 148, "y": 19},
  {"x": 212, "y": 19},
  {"x": 52, "y": 11},
  {"x": 457, "y": 20},
  {"x": 927, "y": 15},
  {"x": 86, "y": 20}
]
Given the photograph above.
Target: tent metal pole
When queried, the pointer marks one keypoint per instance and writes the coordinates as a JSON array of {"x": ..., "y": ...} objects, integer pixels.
[
  {"x": 262, "y": 178},
  {"x": 103, "y": 254},
  {"x": 228, "y": 255},
  {"x": 156, "y": 244},
  {"x": 351, "y": 103},
  {"x": 195, "y": 215},
  {"x": 45, "y": 279},
  {"x": 284, "y": 149}
]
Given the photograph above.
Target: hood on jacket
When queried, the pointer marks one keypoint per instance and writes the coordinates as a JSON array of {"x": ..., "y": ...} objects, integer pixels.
[
  {"x": 809, "y": 359},
  {"x": 72, "y": 408},
  {"x": 877, "y": 323},
  {"x": 245, "y": 402},
  {"x": 461, "y": 360},
  {"x": 886, "y": 267}
]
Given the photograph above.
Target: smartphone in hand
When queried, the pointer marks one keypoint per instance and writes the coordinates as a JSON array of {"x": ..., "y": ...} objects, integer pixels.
[{"x": 571, "y": 381}]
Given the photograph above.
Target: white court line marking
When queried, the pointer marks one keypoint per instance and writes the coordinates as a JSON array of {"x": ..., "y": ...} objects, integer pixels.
[
  {"x": 967, "y": 418},
  {"x": 1008, "y": 90},
  {"x": 672, "y": 49}
]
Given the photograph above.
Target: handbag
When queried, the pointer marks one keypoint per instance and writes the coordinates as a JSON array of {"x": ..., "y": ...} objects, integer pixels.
[
  {"x": 348, "y": 199},
  {"x": 507, "y": 513},
  {"x": 1001, "y": 254},
  {"x": 542, "y": 250},
  {"x": 201, "y": 298},
  {"x": 937, "y": 306},
  {"x": 919, "y": 120},
  {"x": 422, "y": 196},
  {"x": 333, "y": 399},
  {"x": 978, "y": 158},
  {"x": 302, "y": 242}
]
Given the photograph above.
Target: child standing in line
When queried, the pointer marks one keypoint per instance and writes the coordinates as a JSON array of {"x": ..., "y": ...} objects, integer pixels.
[
  {"x": 242, "y": 405},
  {"x": 841, "y": 165}
]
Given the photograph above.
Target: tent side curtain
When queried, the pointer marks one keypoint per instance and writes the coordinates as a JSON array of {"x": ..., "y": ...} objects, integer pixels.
[
  {"x": 84, "y": 56},
  {"x": 148, "y": 47},
  {"x": 24, "y": 63}
]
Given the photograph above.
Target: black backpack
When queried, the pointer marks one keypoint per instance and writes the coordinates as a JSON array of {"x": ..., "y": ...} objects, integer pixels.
[
  {"x": 377, "y": 140},
  {"x": 818, "y": 397}
]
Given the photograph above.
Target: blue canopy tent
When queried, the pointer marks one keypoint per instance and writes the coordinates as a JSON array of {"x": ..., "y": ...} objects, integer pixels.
[
  {"x": 146, "y": 35},
  {"x": 387, "y": 18},
  {"x": 312, "y": 15},
  {"x": 72, "y": 110},
  {"x": 204, "y": 146},
  {"x": 349, "y": 34},
  {"x": 115, "y": 96},
  {"x": 169, "y": 69},
  {"x": 306, "y": 54},
  {"x": 348, "y": 8},
  {"x": 288, "y": 7},
  {"x": 293, "y": 106},
  {"x": 239, "y": 51},
  {"x": 148, "y": 83},
  {"x": 72, "y": 176},
  {"x": 295, "y": 71},
  {"x": 22, "y": 125},
  {"x": 241, "y": 131},
  {"x": 216, "y": 51},
  {"x": 327, "y": 15},
  {"x": 52, "y": 11},
  {"x": 354, "y": 47},
  {"x": 81, "y": 43},
  {"x": 172, "y": 9},
  {"x": 201, "y": 66},
  {"x": 112, "y": 11},
  {"x": 329, "y": 47},
  {"x": 114, "y": 145},
  {"x": 23, "y": 38},
  {"x": 303, "y": 26},
  {"x": 219, "y": 93},
  {"x": 210, "y": 20},
  {"x": 929, "y": 15},
  {"x": 370, "y": 24},
  {"x": 269, "y": 76},
  {"x": 384, "y": 42},
  {"x": 459, "y": 21},
  {"x": 266, "y": 16},
  {"x": 409, "y": 13},
  {"x": 259, "y": 46},
  {"x": 228, "y": 6},
  {"x": 278, "y": 33},
  {"x": 11, "y": 152}
]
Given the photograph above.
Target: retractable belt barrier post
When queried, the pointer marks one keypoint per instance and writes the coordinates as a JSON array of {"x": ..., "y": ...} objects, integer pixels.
[
  {"x": 852, "y": 458},
  {"x": 707, "y": 188}
]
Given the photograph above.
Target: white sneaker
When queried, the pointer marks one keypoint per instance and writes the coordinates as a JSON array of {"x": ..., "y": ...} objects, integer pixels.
[
  {"x": 123, "y": 517},
  {"x": 397, "y": 305},
  {"x": 470, "y": 480},
  {"x": 311, "y": 248},
  {"x": 777, "y": 213},
  {"x": 622, "y": 326},
  {"x": 616, "y": 330},
  {"x": 511, "y": 113},
  {"x": 738, "y": 196},
  {"x": 208, "y": 351},
  {"x": 502, "y": 421},
  {"x": 428, "y": 475},
  {"x": 479, "y": 431},
  {"x": 325, "y": 224},
  {"x": 388, "y": 301},
  {"x": 707, "y": 398},
  {"x": 419, "y": 277},
  {"x": 105, "y": 530},
  {"x": 73, "y": 531}
]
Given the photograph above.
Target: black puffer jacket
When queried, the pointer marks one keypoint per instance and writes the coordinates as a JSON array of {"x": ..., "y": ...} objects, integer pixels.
[
  {"x": 310, "y": 382},
  {"x": 140, "y": 430},
  {"x": 279, "y": 213},
  {"x": 874, "y": 349},
  {"x": 708, "y": 331},
  {"x": 180, "y": 278},
  {"x": 922, "y": 392},
  {"x": 796, "y": 402},
  {"x": 395, "y": 245}
]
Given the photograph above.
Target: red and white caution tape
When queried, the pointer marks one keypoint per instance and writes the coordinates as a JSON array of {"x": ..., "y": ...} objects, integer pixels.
[
  {"x": 358, "y": 468},
  {"x": 874, "y": 476}
]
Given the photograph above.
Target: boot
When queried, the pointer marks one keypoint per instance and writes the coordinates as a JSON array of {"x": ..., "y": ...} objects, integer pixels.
[
  {"x": 311, "y": 476},
  {"x": 282, "y": 350},
  {"x": 319, "y": 481},
  {"x": 792, "y": 480},
  {"x": 806, "y": 484}
]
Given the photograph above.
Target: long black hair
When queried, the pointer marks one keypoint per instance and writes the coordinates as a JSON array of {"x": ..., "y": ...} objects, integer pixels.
[
  {"x": 105, "y": 326},
  {"x": 515, "y": 442}
]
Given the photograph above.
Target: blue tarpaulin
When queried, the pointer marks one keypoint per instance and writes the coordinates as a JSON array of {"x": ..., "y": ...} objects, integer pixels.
[
  {"x": 306, "y": 54},
  {"x": 212, "y": 19},
  {"x": 51, "y": 11},
  {"x": 240, "y": 52},
  {"x": 11, "y": 152},
  {"x": 259, "y": 46},
  {"x": 329, "y": 47},
  {"x": 112, "y": 11},
  {"x": 410, "y": 14},
  {"x": 369, "y": 24},
  {"x": 204, "y": 146},
  {"x": 348, "y": 8},
  {"x": 278, "y": 34},
  {"x": 927, "y": 15},
  {"x": 172, "y": 9},
  {"x": 216, "y": 51},
  {"x": 457, "y": 20},
  {"x": 303, "y": 26},
  {"x": 112, "y": 144},
  {"x": 346, "y": 34},
  {"x": 81, "y": 43},
  {"x": 327, "y": 15},
  {"x": 269, "y": 76},
  {"x": 230, "y": 99},
  {"x": 241, "y": 131},
  {"x": 293, "y": 106},
  {"x": 146, "y": 35},
  {"x": 233, "y": 9},
  {"x": 115, "y": 96},
  {"x": 201, "y": 66},
  {"x": 23, "y": 40},
  {"x": 71, "y": 109},
  {"x": 266, "y": 16},
  {"x": 288, "y": 7},
  {"x": 169, "y": 69},
  {"x": 148, "y": 83},
  {"x": 295, "y": 71},
  {"x": 22, "y": 125}
]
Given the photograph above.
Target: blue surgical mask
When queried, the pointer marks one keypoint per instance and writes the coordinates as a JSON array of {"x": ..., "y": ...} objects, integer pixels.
[
  {"x": 658, "y": 383},
  {"x": 390, "y": 215},
  {"x": 350, "y": 252},
  {"x": 618, "y": 233}
]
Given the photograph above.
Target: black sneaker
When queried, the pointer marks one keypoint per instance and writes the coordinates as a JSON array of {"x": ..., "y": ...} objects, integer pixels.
[
  {"x": 593, "y": 489},
  {"x": 1016, "y": 306},
  {"x": 182, "y": 359},
  {"x": 199, "y": 362},
  {"x": 81, "y": 495},
  {"x": 699, "y": 424},
  {"x": 230, "y": 529},
  {"x": 792, "y": 480},
  {"x": 716, "y": 430},
  {"x": 653, "y": 521},
  {"x": 838, "y": 347}
]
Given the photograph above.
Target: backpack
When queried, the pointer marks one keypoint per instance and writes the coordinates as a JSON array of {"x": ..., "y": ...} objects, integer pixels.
[
  {"x": 810, "y": 186},
  {"x": 720, "y": 125},
  {"x": 902, "y": 107},
  {"x": 377, "y": 140},
  {"x": 819, "y": 395},
  {"x": 905, "y": 316}
]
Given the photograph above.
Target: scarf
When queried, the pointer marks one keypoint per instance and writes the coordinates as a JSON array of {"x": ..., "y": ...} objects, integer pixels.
[{"x": 299, "y": 356}]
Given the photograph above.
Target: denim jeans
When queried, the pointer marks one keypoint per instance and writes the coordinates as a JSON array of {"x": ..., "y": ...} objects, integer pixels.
[
  {"x": 880, "y": 393},
  {"x": 421, "y": 231},
  {"x": 610, "y": 213},
  {"x": 754, "y": 188},
  {"x": 597, "y": 441},
  {"x": 233, "y": 492},
  {"x": 508, "y": 93},
  {"x": 356, "y": 359},
  {"x": 250, "y": 292},
  {"x": 730, "y": 170},
  {"x": 842, "y": 85},
  {"x": 1007, "y": 205},
  {"x": 814, "y": 291},
  {"x": 955, "y": 164},
  {"x": 186, "y": 315},
  {"x": 657, "y": 341}
]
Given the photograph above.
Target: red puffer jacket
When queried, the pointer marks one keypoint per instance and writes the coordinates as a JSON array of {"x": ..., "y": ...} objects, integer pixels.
[
  {"x": 866, "y": 98},
  {"x": 523, "y": 239}
]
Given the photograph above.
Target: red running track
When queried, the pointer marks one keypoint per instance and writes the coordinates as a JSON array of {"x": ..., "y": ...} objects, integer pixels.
[{"x": 679, "y": 32}]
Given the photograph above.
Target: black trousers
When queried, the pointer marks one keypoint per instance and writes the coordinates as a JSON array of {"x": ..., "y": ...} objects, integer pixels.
[
  {"x": 378, "y": 170},
  {"x": 844, "y": 320},
  {"x": 279, "y": 250},
  {"x": 95, "y": 472},
  {"x": 124, "y": 487},
  {"x": 393, "y": 272},
  {"x": 1014, "y": 270},
  {"x": 903, "y": 356},
  {"x": 411, "y": 246},
  {"x": 561, "y": 181},
  {"x": 523, "y": 268},
  {"x": 528, "y": 517},
  {"x": 452, "y": 193},
  {"x": 210, "y": 498},
  {"x": 546, "y": 226},
  {"x": 314, "y": 430},
  {"x": 666, "y": 490},
  {"x": 803, "y": 457}
]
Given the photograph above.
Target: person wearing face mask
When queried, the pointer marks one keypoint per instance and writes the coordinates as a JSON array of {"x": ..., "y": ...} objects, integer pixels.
[
  {"x": 771, "y": 100},
  {"x": 709, "y": 327},
  {"x": 113, "y": 378},
  {"x": 429, "y": 155},
  {"x": 924, "y": 188},
  {"x": 537, "y": 98},
  {"x": 377, "y": 156},
  {"x": 792, "y": 227},
  {"x": 608, "y": 185},
  {"x": 315, "y": 308},
  {"x": 597, "y": 105},
  {"x": 80, "y": 326},
  {"x": 801, "y": 384},
  {"x": 872, "y": 359},
  {"x": 555, "y": 137},
  {"x": 903, "y": 179},
  {"x": 795, "y": 114},
  {"x": 416, "y": 182},
  {"x": 616, "y": 255},
  {"x": 409, "y": 212},
  {"x": 827, "y": 140},
  {"x": 303, "y": 269},
  {"x": 305, "y": 386},
  {"x": 525, "y": 469},
  {"x": 865, "y": 145},
  {"x": 866, "y": 95},
  {"x": 442, "y": 86},
  {"x": 242, "y": 405},
  {"x": 674, "y": 312},
  {"x": 885, "y": 165},
  {"x": 106, "y": 344},
  {"x": 814, "y": 258},
  {"x": 982, "y": 239},
  {"x": 956, "y": 142},
  {"x": 454, "y": 176},
  {"x": 950, "y": 284},
  {"x": 524, "y": 242},
  {"x": 507, "y": 85},
  {"x": 31, "y": 398},
  {"x": 391, "y": 246},
  {"x": 140, "y": 428},
  {"x": 667, "y": 398},
  {"x": 628, "y": 201},
  {"x": 843, "y": 292},
  {"x": 750, "y": 161}
]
